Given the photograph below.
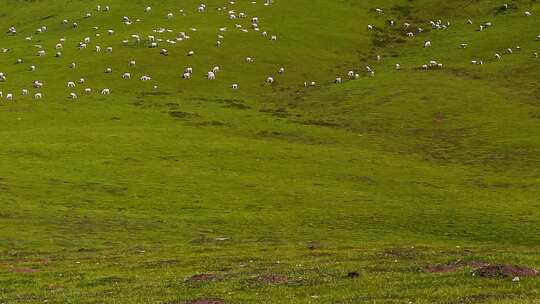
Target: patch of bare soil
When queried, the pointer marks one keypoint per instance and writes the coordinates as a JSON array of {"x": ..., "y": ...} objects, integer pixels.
[
  {"x": 24, "y": 270},
  {"x": 504, "y": 271},
  {"x": 453, "y": 266},
  {"x": 203, "y": 277},
  {"x": 273, "y": 279}
]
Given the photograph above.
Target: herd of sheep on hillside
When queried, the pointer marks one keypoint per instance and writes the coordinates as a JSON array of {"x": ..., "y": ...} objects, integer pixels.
[{"x": 153, "y": 41}]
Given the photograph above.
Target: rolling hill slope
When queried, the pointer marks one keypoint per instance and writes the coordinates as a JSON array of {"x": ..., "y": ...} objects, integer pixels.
[{"x": 278, "y": 193}]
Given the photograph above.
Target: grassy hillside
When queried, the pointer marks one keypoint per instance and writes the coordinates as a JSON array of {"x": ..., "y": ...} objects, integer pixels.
[{"x": 279, "y": 193}]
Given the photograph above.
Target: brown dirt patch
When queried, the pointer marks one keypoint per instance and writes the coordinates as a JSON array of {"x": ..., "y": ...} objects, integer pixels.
[
  {"x": 273, "y": 279},
  {"x": 203, "y": 277},
  {"x": 453, "y": 266},
  {"x": 24, "y": 270},
  {"x": 438, "y": 118},
  {"x": 503, "y": 271},
  {"x": 441, "y": 268}
]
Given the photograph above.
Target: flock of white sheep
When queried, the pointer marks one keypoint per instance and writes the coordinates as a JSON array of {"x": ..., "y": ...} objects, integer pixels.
[{"x": 153, "y": 41}]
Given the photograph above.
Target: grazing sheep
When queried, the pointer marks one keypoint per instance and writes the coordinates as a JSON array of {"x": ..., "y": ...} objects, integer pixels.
[
  {"x": 270, "y": 80},
  {"x": 126, "y": 76},
  {"x": 105, "y": 92},
  {"x": 234, "y": 86},
  {"x": 38, "y": 96},
  {"x": 37, "y": 84},
  {"x": 72, "y": 95},
  {"x": 71, "y": 84},
  {"x": 88, "y": 91},
  {"x": 211, "y": 76}
]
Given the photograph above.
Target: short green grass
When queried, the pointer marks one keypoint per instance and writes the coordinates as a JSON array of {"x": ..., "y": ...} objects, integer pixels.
[{"x": 122, "y": 198}]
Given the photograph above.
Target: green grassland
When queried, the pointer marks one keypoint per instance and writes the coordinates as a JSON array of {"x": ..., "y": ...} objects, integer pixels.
[{"x": 122, "y": 198}]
